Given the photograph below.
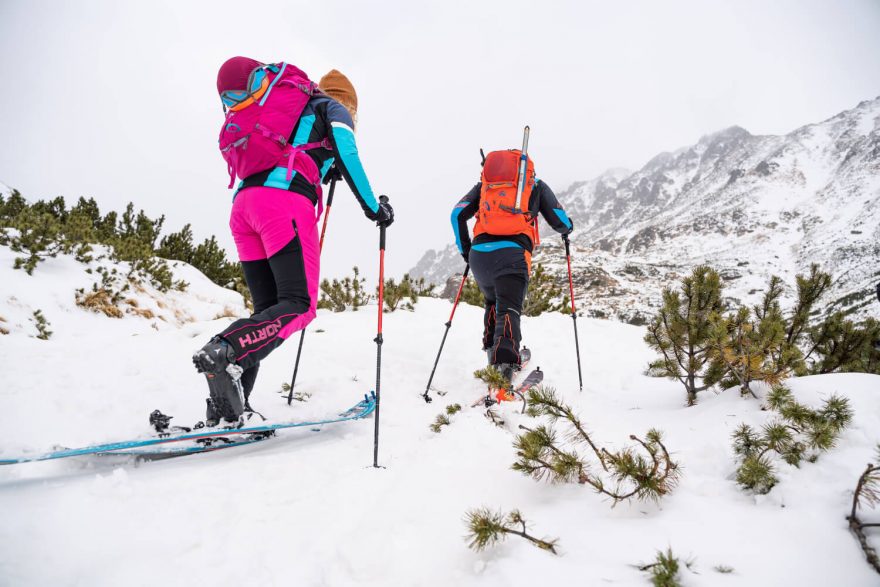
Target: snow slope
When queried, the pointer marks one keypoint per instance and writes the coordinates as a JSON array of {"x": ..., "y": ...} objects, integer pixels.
[{"x": 308, "y": 509}]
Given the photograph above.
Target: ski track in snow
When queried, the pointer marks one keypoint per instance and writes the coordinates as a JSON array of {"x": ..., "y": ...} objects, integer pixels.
[{"x": 308, "y": 509}]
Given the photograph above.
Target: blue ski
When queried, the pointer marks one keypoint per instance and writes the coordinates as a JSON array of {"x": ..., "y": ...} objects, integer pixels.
[{"x": 247, "y": 435}]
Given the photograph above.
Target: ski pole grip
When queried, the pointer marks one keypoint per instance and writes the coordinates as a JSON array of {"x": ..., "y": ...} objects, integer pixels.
[
  {"x": 332, "y": 191},
  {"x": 384, "y": 200},
  {"x": 567, "y": 244}
]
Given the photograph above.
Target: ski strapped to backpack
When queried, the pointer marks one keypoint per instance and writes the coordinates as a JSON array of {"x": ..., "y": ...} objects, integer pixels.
[
  {"x": 507, "y": 181},
  {"x": 256, "y": 137}
]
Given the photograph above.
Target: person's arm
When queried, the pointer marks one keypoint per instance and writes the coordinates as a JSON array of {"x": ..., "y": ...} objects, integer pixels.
[
  {"x": 551, "y": 209},
  {"x": 464, "y": 211},
  {"x": 348, "y": 162}
]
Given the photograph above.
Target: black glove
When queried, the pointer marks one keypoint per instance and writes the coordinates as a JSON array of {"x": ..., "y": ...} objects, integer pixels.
[
  {"x": 385, "y": 213},
  {"x": 332, "y": 173},
  {"x": 467, "y": 256}
]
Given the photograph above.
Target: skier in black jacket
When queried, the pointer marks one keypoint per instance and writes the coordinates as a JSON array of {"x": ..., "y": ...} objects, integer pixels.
[{"x": 501, "y": 251}]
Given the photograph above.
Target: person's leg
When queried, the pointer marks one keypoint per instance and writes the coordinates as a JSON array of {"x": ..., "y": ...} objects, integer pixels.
[
  {"x": 295, "y": 271},
  {"x": 261, "y": 284},
  {"x": 511, "y": 289},
  {"x": 489, "y": 325},
  {"x": 482, "y": 268},
  {"x": 509, "y": 274},
  {"x": 217, "y": 360}
]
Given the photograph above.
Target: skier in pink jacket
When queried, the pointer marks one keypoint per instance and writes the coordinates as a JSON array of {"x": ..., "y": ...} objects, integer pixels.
[{"x": 274, "y": 218}]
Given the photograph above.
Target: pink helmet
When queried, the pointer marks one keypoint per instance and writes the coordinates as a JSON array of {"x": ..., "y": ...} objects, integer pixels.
[{"x": 234, "y": 73}]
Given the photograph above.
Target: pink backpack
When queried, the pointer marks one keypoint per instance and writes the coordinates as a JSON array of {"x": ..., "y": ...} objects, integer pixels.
[{"x": 255, "y": 138}]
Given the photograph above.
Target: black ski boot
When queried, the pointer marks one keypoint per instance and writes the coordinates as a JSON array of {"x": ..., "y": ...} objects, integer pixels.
[
  {"x": 217, "y": 361},
  {"x": 509, "y": 370}
]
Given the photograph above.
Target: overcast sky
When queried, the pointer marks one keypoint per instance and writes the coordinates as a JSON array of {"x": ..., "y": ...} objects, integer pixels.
[{"x": 116, "y": 99}]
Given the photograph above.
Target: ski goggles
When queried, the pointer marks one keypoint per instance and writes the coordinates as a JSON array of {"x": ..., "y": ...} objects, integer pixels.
[{"x": 257, "y": 84}]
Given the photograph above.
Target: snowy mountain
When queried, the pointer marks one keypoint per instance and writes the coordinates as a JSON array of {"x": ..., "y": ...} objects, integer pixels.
[
  {"x": 307, "y": 508},
  {"x": 750, "y": 206}
]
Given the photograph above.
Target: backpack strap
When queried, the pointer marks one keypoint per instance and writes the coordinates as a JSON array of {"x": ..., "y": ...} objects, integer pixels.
[{"x": 293, "y": 151}]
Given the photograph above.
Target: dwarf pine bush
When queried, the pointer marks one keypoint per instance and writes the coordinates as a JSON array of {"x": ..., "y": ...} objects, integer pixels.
[
  {"x": 798, "y": 433},
  {"x": 486, "y": 528},
  {"x": 339, "y": 295},
  {"x": 471, "y": 293},
  {"x": 867, "y": 493},
  {"x": 642, "y": 471},
  {"x": 544, "y": 295},
  {"x": 681, "y": 331},
  {"x": 45, "y": 229}
]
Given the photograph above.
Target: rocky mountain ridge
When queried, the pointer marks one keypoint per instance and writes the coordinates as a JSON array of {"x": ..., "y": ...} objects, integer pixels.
[{"x": 749, "y": 205}]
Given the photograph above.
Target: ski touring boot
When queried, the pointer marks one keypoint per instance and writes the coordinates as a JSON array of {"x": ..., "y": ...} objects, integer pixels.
[
  {"x": 226, "y": 402},
  {"x": 509, "y": 371}
]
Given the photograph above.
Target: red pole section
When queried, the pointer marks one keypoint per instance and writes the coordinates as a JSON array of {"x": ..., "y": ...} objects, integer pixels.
[{"x": 458, "y": 295}]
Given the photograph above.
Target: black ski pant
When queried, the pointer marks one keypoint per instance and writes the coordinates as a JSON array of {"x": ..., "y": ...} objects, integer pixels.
[
  {"x": 503, "y": 277},
  {"x": 279, "y": 290}
]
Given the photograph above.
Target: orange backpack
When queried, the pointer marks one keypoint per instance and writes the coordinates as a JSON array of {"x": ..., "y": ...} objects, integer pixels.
[{"x": 498, "y": 214}]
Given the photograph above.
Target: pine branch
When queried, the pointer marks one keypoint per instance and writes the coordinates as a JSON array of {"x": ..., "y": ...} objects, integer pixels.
[
  {"x": 645, "y": 472},
  {"x": 544, "y": 400},
  {"x": 867, "y": 489},
  {"x": 487, "y": 528}
]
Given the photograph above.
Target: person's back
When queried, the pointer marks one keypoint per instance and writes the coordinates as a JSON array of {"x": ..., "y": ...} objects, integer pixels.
[
  {"x": 273, "y": 218},
  {"x": 500, "y": 253}
]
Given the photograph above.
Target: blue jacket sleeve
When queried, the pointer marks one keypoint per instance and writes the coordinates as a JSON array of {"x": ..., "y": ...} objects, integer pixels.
[
  {"x": 464, "y": 211},
  {"x": 551, "y": 209},
  {"x": 348, "y": 161}
]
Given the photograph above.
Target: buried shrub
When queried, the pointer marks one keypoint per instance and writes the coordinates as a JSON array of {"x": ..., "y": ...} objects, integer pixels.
[
  {"x": 800, "y": 433},
  {"x": 643, "y": 471},
  {"x": 43, "y": 332},
  {"x": 867, "y": 492},
  {"x": 665, "y": 570},
  {"x": 443, "y": 419},
  {"x": 487, "y": 528}
]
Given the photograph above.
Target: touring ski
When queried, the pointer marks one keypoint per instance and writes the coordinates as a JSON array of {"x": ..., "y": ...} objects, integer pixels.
[{"x": 205, "y": 439}]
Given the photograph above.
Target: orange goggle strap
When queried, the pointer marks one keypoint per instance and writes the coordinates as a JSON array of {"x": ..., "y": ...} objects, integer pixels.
[{"x": 236, "y": 100}]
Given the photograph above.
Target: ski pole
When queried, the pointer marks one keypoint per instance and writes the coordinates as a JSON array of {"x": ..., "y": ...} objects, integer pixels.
[
  {"x": 302, "y": 335},
  {"x": 574, "y": 315},
  {"x": 425, "y": 395},
  {"x": 378, "y": 340}
]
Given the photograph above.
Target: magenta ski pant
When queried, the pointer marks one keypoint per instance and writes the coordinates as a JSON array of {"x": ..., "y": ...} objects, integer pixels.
[{"x": 276, "y": 235}]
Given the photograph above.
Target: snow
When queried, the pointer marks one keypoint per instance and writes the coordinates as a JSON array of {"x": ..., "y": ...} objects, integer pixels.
[{"x": 308, "y": 509}]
